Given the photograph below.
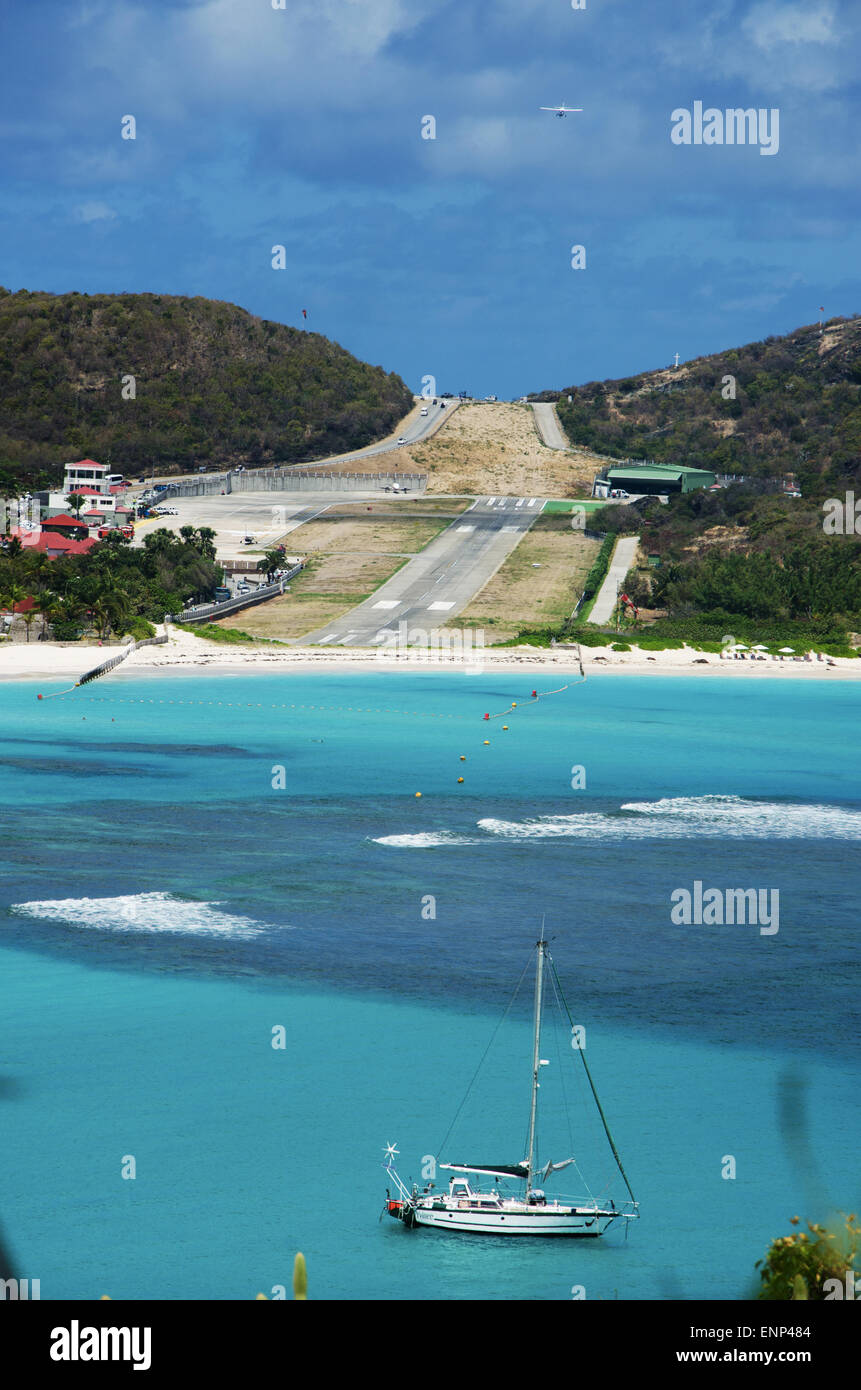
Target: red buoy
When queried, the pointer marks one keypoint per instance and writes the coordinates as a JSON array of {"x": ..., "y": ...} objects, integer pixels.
[
  {"x": 487, "y": 716},
  {"x": 38, "y": 697},
  {"x": 535, "y": 694}
]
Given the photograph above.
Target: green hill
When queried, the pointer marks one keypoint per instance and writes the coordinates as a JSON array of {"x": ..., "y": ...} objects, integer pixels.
[
  {"x": 213, "y": 385},
  {"x": 794, "y": 406},
  {"x": 746, "y": 558}
]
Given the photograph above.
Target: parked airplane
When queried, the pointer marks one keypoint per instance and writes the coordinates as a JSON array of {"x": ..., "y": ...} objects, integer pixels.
[{"x": 561, "y": 110}]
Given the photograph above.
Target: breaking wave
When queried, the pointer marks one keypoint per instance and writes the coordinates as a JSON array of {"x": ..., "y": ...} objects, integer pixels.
[
  {"x": 670, "y": 818},
  {"x": 142, "y": 912}
]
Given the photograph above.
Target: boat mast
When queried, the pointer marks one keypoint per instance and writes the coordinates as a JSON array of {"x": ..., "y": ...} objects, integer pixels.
[{"x": 536, "y": 1054}]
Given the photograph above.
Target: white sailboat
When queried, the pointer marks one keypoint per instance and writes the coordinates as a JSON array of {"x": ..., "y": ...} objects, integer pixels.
[{"x": 465, "y": 1207}]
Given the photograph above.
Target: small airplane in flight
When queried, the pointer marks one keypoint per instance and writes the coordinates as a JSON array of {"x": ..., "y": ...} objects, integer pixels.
[{"x": 561, "y": 110}]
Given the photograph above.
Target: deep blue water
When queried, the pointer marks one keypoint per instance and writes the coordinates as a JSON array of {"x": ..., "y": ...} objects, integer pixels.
[{"x": 164, "y": 907}]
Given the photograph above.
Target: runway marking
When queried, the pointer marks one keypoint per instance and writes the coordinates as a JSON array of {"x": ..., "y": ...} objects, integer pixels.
[
  {"x": 348, "y": 635},
  {"x": 330, "y": 637},
  {"x": 510, "y": 528},
  {"x": 532, "y": 501},
  {"x": 490, "y": 501},
  {"x": 520, "y": 502},
  {"x": 466, "y": 528},
  {"x": 388, "y": 603},
  {"x": 439, "y": 607}
]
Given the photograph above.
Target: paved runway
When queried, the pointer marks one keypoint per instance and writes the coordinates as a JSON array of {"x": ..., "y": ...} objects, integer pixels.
[{"x": 441, "y": 581}]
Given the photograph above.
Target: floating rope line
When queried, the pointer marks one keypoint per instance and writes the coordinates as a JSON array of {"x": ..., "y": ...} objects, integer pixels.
[
  {"x": 534, "y": 698},
  {"x": 253, "y": 704},
  {"x": 108, "y": 665}
]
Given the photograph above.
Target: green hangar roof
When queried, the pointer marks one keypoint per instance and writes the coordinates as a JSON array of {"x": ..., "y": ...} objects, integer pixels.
[{"x": 658, "y": 474}]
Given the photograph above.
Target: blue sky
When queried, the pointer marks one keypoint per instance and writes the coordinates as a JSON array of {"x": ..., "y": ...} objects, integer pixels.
[{"x": 450, "y": 257}]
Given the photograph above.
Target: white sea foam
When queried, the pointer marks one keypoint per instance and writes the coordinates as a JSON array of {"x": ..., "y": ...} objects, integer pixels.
[
  {"x": 737, "y": 817},
  {"x": 426, "y": 839},
  {"x": 671, "y": 818},
  {"x": 143, "y": 912}
]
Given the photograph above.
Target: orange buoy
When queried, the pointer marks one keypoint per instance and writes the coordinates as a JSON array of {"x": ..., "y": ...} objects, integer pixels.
[
  {"x": 418, "y": 793},
  {"x": 486, "y": 742},
  {"x": 505, "y": 727},
  {"x": 462, "y": 756},
  {"x": 460, "y": 779}
]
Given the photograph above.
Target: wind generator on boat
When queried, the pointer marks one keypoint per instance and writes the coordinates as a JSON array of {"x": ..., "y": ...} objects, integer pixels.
[{"x": 465, "y": 1207}]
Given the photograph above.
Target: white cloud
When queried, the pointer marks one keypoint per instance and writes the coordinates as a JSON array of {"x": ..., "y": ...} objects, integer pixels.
[
  {"x": 770, "y": 24},
  {"x": 94, "y": 212}
]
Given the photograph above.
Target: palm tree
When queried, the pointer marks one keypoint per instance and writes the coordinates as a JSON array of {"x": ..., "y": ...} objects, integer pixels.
[
  {"x": 272, "y": 560},
  {"x": 29, "y": 616}
]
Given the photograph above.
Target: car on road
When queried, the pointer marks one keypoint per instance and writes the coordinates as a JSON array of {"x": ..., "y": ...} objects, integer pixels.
[
  {"x": 619, "y": 492},
  {"x": 402, "y": 440},
  {"x": 424, "y": 410},
  {"x": 249, "y": 540},
  {"x": 442, "y": 405}
]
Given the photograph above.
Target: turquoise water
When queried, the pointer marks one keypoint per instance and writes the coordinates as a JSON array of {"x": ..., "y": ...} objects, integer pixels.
[{"x": 164, "y": 907}]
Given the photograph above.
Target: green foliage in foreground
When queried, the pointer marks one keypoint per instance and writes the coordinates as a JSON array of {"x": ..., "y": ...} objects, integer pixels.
[{"x": 810, "y": 1267}]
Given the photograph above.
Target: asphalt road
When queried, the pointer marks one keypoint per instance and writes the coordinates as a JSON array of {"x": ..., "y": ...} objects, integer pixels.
[
  {"x": 549, "y": 428},
  {"x": 437, "y": 584},
  {"x": 412, "y": 429},
  {"x": 623, "y": 559}
]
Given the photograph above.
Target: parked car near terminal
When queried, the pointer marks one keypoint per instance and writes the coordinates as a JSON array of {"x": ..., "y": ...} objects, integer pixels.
[{"x": 222, "y": 593}]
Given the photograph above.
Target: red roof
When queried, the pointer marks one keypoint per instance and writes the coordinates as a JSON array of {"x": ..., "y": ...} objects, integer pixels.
[
  {"x": 23, "y": 607},
  {"x": 53, "y": 545},
  {"x": 63, "y": 519},
  {"x": 88, "y": 463},
  {"x": 86, "y": 489}
]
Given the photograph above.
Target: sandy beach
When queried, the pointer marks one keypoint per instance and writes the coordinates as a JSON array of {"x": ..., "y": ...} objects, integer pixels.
[{"x": 65, "y": 663}]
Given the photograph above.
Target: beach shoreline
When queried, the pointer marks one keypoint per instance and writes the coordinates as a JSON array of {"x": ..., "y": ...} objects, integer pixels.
[{"x": 183, "y": 652}]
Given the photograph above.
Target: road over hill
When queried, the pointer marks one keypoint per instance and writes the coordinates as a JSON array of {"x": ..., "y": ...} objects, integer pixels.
[
  {"x": 437, "y": 584},
  {"x": 623, "y": 559},
  {"x": 548, "y": 426}
]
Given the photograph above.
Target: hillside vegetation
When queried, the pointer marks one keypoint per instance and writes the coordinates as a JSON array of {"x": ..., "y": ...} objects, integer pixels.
[
  {"x": 786, "y": 405},
  {"x": 746, "y": 559},
  {"x": 213, "y": 385}
]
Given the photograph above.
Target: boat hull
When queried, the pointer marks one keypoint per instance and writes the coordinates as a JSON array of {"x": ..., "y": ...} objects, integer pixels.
[{"x": 539, "y": 1222}]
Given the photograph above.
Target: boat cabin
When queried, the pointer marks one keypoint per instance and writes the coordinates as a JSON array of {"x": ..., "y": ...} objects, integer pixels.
[{"x": 459, "y": 1189}]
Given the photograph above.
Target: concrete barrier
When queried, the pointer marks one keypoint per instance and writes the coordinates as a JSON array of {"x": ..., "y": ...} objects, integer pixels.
[
  {"x": 292, "y": 480},
  {"x": 206, "y": 612}
]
